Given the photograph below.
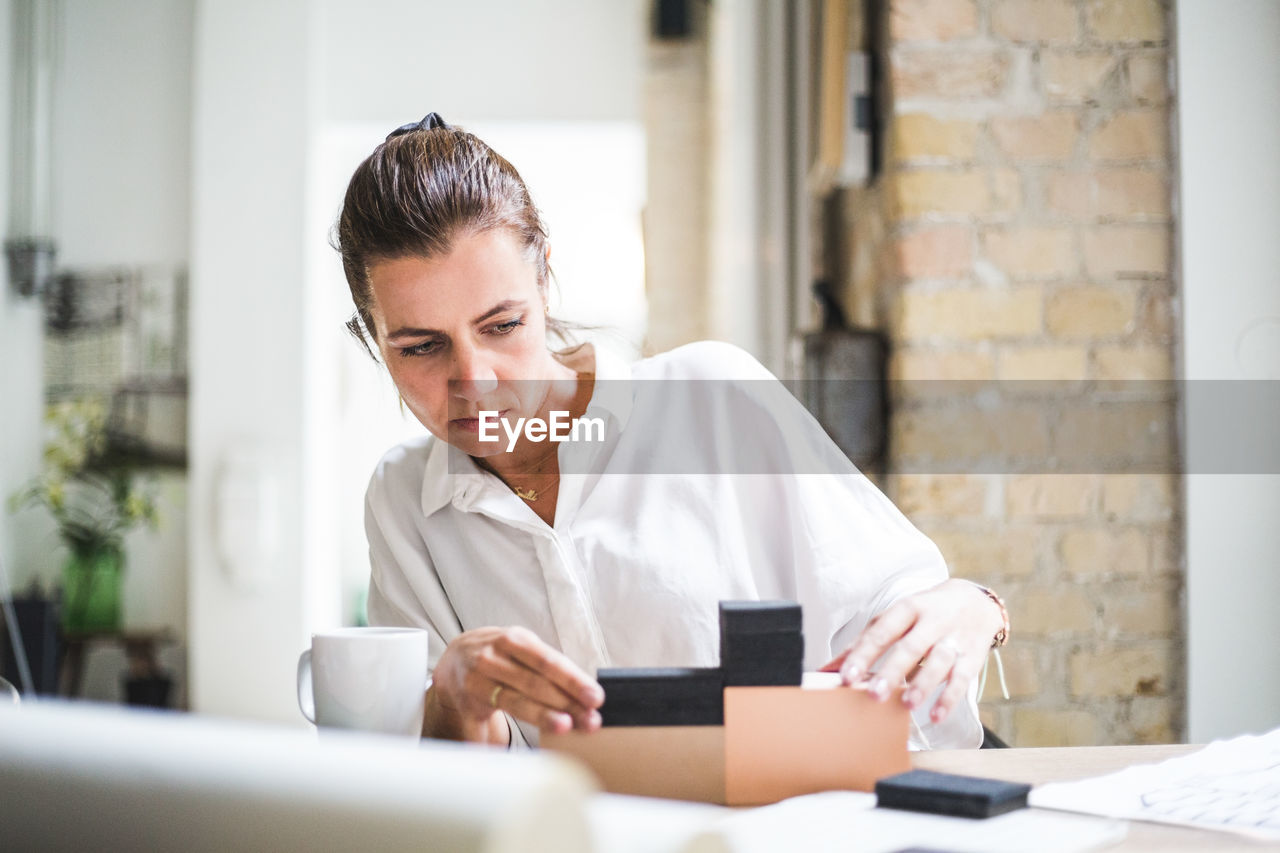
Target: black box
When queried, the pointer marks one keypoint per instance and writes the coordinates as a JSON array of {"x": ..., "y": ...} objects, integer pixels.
[
  {"x": 746, "y": 647},
  {"x": 662, "y": 696},
  {"x": 759, "y": 617},
  {"x": 683, "y": 712},
  {"x": 666, "y": 681},
  {"x": 949, "y": 794},
  {"x": 772, "y": 659},
  {"x": 766, "y": 673}
]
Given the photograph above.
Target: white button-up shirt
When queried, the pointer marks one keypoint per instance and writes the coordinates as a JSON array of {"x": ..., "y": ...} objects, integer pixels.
[{"x": 649, "y": 536}]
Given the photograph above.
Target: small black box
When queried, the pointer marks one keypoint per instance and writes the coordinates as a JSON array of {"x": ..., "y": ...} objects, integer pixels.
[
  {"x": 662, "y": 696},
  {"x": 668, "y": 682},
  {"x": 653, "y": 713},
  {"x": 759, "y": 617},
  {"x": 949, "y": 794},
  {"x": 762, "y": 659},
  {"x": 772, "y": 673},
  {"x": 761, "y": 644},
  {"x": 746, "y": 647}
]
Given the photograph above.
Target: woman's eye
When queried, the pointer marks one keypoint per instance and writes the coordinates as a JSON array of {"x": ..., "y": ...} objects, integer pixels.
[
  {"x": 508, "y": 327},
  {"x": 425, "y": 348}
]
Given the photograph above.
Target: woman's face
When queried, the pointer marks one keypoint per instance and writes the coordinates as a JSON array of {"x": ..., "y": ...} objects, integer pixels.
[{"x": 464, "y": 333}]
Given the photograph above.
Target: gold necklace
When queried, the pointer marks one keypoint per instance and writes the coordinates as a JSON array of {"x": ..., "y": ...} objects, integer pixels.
[{"x": 526, "y": 494}]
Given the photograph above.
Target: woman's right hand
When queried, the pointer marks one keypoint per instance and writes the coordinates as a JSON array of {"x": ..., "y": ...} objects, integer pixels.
[{"x": 487, "y": 670}]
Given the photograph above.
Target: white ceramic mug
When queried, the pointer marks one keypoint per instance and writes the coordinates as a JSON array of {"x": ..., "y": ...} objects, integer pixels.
[{"x": 371, "y": 679}]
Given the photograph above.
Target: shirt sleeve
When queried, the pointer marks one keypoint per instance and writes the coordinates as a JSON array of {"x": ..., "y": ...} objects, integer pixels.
[
  {"x": 404, "y": 585},
  {"x": 401, "y": 575},
  {"x": 853, "y": 553},
  {"x": 857, "y": 555},
  {"x": 392, "y": 601}
]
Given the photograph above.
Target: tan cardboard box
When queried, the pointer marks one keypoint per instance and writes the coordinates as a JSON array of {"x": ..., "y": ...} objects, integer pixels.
[
  {"x": 676, "y": 762},
  {"x": 777, "y": 742}
]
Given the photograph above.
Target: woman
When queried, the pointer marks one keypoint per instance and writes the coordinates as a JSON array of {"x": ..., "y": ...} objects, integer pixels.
[{"x": 533, "y": 563}]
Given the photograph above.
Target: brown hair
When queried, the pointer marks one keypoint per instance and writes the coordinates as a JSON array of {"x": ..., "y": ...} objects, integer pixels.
[{"x": 427, "y": 185}]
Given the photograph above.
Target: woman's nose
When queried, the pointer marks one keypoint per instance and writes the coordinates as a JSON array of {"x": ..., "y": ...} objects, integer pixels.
[{"x": 472, "y": 376}]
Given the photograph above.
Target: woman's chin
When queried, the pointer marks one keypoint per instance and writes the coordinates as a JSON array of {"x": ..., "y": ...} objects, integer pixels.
[
  {"x": 468, "y": 441},
  {"x": 482, "y": 450}
]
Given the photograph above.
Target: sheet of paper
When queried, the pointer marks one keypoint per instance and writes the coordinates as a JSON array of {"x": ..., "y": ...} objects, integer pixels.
[
  {"x": 625, "y": 824},
  {"x": 1231, "y": 785},
  {"x": 847, "y": 820}
]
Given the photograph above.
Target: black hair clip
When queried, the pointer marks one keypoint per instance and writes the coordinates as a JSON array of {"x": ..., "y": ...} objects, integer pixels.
[{"x": 430, "y": 121}]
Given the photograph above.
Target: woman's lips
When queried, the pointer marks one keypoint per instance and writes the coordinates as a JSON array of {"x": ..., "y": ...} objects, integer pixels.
[{"x": 472, "y": 424}]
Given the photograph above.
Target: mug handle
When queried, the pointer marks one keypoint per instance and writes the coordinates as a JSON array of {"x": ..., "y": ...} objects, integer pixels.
[{"x": 306, "y": 696}]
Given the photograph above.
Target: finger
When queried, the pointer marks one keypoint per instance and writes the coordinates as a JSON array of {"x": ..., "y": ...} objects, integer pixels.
[
  {"x": 492, "y": 668},
  {"x": 883, "y": 632},
  {"x": 962, "y": 675},
  {"x": 936, "y": 667},
  {"x": 834, "y": 664},
  {"x": 525, "y": 647},
  {"x": 902, "y": 657},
  {"x": 524, "y": 708}
]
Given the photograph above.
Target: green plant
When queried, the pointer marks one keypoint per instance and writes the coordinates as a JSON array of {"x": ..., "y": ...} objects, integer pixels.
[{"x": 94, "y": 497}]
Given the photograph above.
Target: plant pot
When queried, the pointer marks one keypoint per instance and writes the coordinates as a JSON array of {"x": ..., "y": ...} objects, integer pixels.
[{"x": 92, "y": 586}]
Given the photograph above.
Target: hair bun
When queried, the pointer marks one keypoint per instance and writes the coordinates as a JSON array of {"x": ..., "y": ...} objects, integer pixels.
[{"x": 431, "y": 121}]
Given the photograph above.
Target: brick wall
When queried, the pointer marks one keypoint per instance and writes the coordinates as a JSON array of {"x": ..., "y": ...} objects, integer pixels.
[{"x": 1026, "y": 210}]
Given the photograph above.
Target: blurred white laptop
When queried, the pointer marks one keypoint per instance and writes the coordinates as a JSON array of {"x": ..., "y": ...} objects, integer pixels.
[{"x": 92, "y": 777}]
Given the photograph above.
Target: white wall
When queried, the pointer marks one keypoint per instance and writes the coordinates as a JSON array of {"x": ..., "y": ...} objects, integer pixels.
[
  {"x": 121, "y": 127},
  {"x": 1229, "y": 134},
  {"x": 735, "y": 274},
  {"x": 253, "y": 118},
  {"x": 533, "y": 60},
  {"x": 750, "y": 214}
]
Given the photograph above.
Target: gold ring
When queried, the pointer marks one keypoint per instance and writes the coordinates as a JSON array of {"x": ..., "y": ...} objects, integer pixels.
[{"x": 493, "y": 697}]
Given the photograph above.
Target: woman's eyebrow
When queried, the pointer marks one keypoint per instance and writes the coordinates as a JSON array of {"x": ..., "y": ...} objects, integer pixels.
[
  {"x": 414, "y": 332},
  {"x": 411, "y": 332},
  {"x": 505, "y": 305}
]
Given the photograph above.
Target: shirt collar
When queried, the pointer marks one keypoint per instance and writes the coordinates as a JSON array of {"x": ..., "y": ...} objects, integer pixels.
[{"x": 451, "y": 476}]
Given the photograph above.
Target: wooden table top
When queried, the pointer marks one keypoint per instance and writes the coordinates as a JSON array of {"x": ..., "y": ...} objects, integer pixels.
[{"x": 1064, "y": 764}]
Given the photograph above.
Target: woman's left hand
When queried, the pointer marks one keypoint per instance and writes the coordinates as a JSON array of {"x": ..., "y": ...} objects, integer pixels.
[{"x": 936, "y": 636}]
